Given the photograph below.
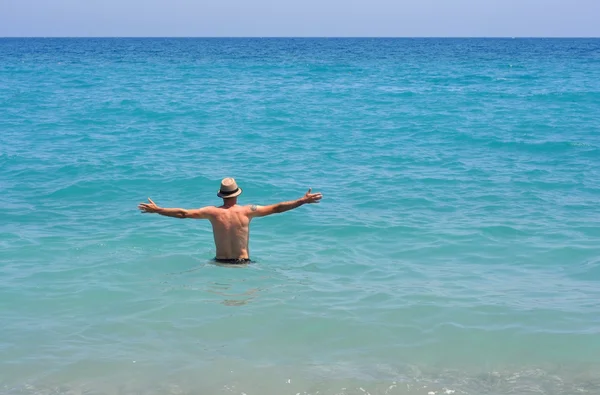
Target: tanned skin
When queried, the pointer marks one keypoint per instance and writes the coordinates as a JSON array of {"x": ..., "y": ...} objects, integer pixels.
[{"x": 230, "y": 221}]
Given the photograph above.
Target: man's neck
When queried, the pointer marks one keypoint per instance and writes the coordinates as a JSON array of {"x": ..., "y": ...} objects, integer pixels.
[{"x": 229, "y": 202}]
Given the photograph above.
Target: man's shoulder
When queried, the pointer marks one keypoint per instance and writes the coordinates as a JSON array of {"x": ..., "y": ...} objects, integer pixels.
[
  {"x": 248, "y": 208},
  {"x": 210, "y": 209},
  {"x": 243, "y": 207}
]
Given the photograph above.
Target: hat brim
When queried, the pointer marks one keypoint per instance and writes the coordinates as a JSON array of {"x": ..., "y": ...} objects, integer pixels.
[{"x": 229, "y": 196}]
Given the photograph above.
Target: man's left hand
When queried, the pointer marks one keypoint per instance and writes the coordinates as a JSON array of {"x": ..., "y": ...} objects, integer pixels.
[{"x": 148, "y": 207}]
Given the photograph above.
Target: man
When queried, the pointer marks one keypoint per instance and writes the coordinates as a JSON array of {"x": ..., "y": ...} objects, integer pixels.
[{"x": 230, "y": 222}]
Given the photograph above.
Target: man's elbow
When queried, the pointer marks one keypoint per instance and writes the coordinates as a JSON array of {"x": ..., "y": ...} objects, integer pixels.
[{"x": 183, "y": 214}]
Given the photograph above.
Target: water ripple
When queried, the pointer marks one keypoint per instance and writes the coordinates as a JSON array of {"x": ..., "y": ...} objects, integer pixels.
[{"x": 455, "y": 252}]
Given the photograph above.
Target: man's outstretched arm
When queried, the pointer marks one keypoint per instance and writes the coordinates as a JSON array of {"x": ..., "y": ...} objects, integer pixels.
[
  {"x": 153, "y": 208},
  {"x": 308, "y": 198}
]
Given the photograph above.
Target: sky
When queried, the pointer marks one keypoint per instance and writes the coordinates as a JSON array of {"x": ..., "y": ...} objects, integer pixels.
[{"x": 299, "y": 18}]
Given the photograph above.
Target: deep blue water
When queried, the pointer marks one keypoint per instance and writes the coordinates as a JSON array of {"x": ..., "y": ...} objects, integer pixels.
[{"x": 456, "y": 250}]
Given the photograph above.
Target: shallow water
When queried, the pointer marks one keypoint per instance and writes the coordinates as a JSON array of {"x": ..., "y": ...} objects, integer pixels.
[{"x": 456, "y": 248}]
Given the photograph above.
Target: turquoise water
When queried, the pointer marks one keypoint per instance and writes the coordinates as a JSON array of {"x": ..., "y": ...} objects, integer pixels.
[{"x": 456, "y": 250}]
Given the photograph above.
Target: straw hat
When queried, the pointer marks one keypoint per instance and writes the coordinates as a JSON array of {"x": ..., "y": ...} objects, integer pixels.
[{"x": 229, "y": 189}]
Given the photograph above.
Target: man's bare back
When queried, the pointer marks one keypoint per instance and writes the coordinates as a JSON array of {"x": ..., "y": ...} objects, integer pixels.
[
  {"x": 231, "y": 231},
  {"x": 231, "y": 222}
]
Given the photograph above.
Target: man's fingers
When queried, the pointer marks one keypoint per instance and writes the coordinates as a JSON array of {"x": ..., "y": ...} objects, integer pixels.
[
  {"x": 314, "y": 197},
  {"x": 150, "y": 200}
]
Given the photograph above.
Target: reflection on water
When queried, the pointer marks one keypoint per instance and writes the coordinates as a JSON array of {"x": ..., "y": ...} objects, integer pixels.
[
  {"x": 233, "y": 288},
  {"x": 233, "y": 298}
]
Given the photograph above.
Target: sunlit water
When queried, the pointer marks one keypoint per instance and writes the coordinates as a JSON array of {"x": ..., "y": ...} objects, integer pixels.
[{"x": 456, "y": 250}]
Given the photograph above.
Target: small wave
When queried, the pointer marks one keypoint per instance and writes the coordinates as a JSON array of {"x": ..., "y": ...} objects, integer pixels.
[
  {"x": 322, "y": 379},
  {"x": 588, "y": 271},
  {"x": 544, "y": 147},
  {"x": 502, "y": 231}
]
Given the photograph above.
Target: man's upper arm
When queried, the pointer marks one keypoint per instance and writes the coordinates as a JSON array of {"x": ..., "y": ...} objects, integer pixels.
[
  {"x": 261, "y": 211},
  {"x": 200, "y": 213}
]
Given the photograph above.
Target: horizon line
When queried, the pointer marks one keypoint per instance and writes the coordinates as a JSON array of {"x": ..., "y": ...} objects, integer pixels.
[{"x": 311, "y": 37}]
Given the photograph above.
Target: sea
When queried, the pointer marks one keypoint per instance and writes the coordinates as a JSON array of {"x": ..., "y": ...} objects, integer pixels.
[{"x": 456, "y": 249}]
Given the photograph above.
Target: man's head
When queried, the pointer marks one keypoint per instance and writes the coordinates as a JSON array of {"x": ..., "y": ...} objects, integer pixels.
[{"x": 229, "y": 189}]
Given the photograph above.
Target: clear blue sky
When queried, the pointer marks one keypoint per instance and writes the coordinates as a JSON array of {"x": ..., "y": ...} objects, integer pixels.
[{"x": 555, "y": 18}]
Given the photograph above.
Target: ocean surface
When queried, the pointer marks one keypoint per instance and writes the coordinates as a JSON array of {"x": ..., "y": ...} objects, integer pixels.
[{"x": 456, "y": 249}]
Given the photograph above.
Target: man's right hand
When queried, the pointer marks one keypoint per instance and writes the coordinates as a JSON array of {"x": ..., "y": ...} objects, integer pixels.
[{"x": 310, "y": 197}]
